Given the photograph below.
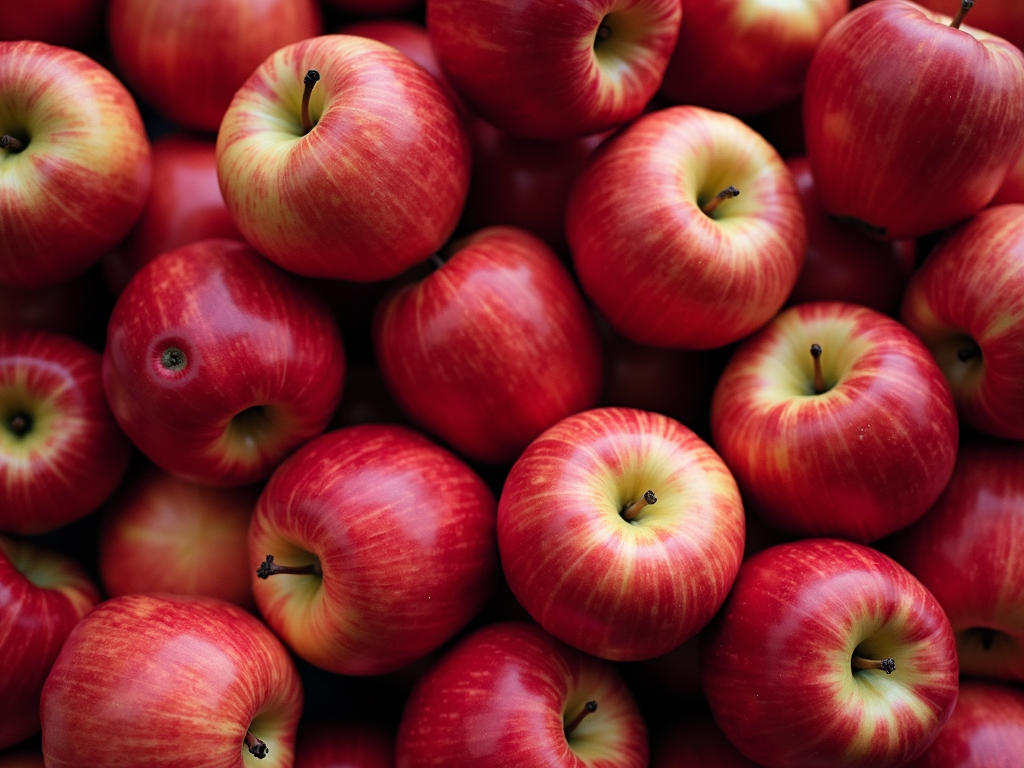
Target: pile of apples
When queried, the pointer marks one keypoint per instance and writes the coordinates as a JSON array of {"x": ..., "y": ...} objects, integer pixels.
[{"x": 482, "y": 383}]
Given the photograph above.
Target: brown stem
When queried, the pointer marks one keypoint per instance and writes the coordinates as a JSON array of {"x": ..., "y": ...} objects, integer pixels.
[
  {"x": 589, "y": 708},
  {"x": 716, "y": 201},
  {"x": 311, "y": 79},
  {"x": 257, "y": 747},
  {"x": 968, "y": 353},
  {"x": 629, "y": 513},
  {"x": 965, "y": 6},
  {"x": 9, "y": 142},
  {"x": 269, "y": 568},
  {"x": 819, "y": 378},
  {"x": 886, "y": 665}
]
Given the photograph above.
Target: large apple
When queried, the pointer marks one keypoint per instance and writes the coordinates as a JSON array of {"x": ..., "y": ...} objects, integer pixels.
[
  {"x": 74, "y": 163},
  {"x": 620, "y": 531},
  {"x": 356, "y": 175},
  {"x": 165, "y": 681},
  {"x": 828, "y": 653},
  {"x": 836, "y": 421}
]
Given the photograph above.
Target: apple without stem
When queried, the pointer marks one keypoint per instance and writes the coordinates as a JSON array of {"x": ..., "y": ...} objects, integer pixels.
[
  {"x": 620, "y": 531},
  {"x": 828, "y": 653},
  {"x": 511, "y": 695}
]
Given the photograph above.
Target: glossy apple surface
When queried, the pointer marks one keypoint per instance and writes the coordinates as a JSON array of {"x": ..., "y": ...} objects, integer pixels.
[
  {"x": 778, "y": 661},
  {"x": 218, "y": 364}
]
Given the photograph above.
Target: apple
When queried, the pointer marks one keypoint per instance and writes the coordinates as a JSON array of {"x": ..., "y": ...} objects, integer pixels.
[
  {"x": 966, "y": 304},
  {"x": 187, "y": 58},
  {"x": 554, "y": 70},
  {"x": 903, "y": 156},
  {"x": 828, "y": 653},
  {"x": 746, "y": 56},
  {"x": 61, "y": 452},
  {"x": 510, "y": 694},
  {"x": 74, "y": 163},
  {"x": 620, "y": 532},
  {"x": 364, "y": 181},
  {"x": 662, "y": 244},
  {"x": 836, "y": 421},
  {"x": 165, "y": 680},
  {"x": 491, "y": 348},
  {"x": 1012, "y": 190},
  {"x": 370, "y": 547},
  {"x": 198, "y": 535},
  {"x": 969, "y": 551},
  {"x": 1000, "y": 17},
  {"x": 375, "y": 7},
  {"x": 218, "y": 364},
  {"x": 43, "y": 594},
  {"x": 72, "y": 23},
  {"x": 327, "y": 744}
]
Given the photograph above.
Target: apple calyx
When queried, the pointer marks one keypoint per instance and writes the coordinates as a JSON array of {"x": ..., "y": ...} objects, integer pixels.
[
  {"x": 969, "y": 353},
  {"x": 269, "y": 568},
  {"x": 714, "y": 202},
  {"x": 312, "y": 78},
  {"x": 257, "y": 747},
  {"x": 819, "y": 378},
  {"x": 9, "y": 142},
  {"x": 173, "y": 359},
  {"x": 965, "y": 6},
  {"x": 19, "y": 423},
  {"x": 588, "y": 708},
  {"x": 629, "y": 513},
  {"x": 886, "y": 665}
]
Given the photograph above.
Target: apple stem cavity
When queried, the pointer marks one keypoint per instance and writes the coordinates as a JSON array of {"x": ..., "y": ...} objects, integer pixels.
[
  {"x": 20, "y": 424},
  {"x": 603, "y": 33},
  {"x": 886, "y": 665},
  {"x": 9, "y": 142},
  {"x": 257, "y": 747},
  {"x": 588, "y": 708},
  {"x": 312, "y": 78},
  {"x": 629, "y": 513},
  {"x": 965, "y": 6},
  {"x": 269, "y": 568},
  {"x": 714, "y": 202},
  {"x": 968, "y": 353},
  {"x": 819, "y": 378}
]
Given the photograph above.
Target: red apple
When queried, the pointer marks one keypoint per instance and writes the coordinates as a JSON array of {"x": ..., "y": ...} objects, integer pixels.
[
  {"x": 370, "y": 182},
  {"x": 1012, "y": 190},
  {"x": 61, "y": 452},
  {"x": 620, "y": 531},
  {"x": 165, "y": 681},
  {"x": 73, "y": 23},
  {"x": 370, "y": 547},
  {"x": 43, "y": 595},
  {"x": 326, "y": 744},
  {"x": 74, "y": 163},
  {"x": 826, "y": 654},
  {"x": 511, "y": 695},
  {"x": 375, "y": 7},
  {"x": 663, "y": 252},
  {"x": 218, "y": 364},
  {"x": 492, "y": 348},
  {"x": 967, "y": 305},
  {"x": 554, "y": 70},
  {"x": 907, "y": 155}
]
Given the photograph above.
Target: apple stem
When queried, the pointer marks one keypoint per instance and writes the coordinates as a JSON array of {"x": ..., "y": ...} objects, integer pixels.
[
  {"x": 819, "y": 378},
  {"x": 716, "y": 201},
  {"x": 588, "y": 708},
  {"x": 629, "y": 513},
  {"x": 9, "y": 142},
  {"x": 886, "y": 665},
  {"x": 965, "y": 6},
  {"x": 257, "y": 747},
  {"x": 968, "y": 353},
  {"x": 312, "y": 78},
  {"x": 269, "y": 568},
  {"x": 20, "y": 424}
]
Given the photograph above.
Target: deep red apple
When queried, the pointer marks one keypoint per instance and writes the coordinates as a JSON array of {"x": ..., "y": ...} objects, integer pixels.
[{"x": 1012, "y": 190}]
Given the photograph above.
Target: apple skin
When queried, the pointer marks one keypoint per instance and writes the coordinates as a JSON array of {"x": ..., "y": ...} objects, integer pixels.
[
  {"x": 783, "y": 643},
  {"x": 185, "y": 205},
  {"x": 620, "y": 590},
  {"x": 859, "y": 461},
  {"x": 492, "y": 348},
  {"x": 966, "y": 298},
  {"x": 71, "y": 23},
  {"x": 375, "y": 7},
  {"x": 198, "y": 535},
  {"x": 261, "y": 369},
  {"x": 325, "y": 744},
  {"x": 504, "y": 695},
  {"x": 187, "y": 58},
  {"x": 1012, "y": 190},
  {"x": 162, "y": 681},
  {"x": 746, "y": 56},
  {"x": 1000, "y": 17},
  {"x": 375, "y": 187},
  {"x": 538, "y": 70},
  {"x": 82, "y": 178},
  {"x": 42, "y": 596},
  {"x": 969, "y": 551},
  {"x": 907, "y": 156},
  {"x": 986, "y": 730},
  {"x": 73, "y": 455},
  {"x": 403, "y": 531},
  {"x": 662, "y": 271}
]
